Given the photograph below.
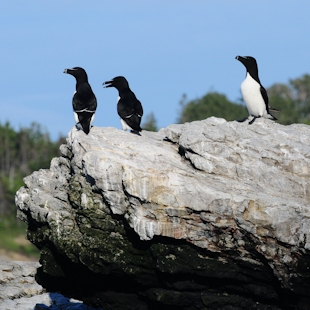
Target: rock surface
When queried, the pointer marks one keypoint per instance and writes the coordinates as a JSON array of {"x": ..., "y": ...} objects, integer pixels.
[
  {"x": 204, "y": 215},
  {"x": 18, "y": 288},
  {"x": 20, "y": 291}
]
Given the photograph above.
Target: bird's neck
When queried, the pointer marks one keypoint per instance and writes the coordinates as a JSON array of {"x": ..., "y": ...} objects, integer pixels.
[
  {"x": 254, "y": 74},
  {"x": 80, "y": 82},
  {"x": 123, "y": 91}
]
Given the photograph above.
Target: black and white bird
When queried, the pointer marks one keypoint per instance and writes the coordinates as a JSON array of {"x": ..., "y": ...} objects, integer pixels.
[
  {"x": 129, "y": 108},
  {"x": 84, "y": 101},
  {"x": 253, "y": 93}
]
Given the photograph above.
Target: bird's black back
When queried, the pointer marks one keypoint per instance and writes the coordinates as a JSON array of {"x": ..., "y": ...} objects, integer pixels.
[{"x": 84, "y": 98}]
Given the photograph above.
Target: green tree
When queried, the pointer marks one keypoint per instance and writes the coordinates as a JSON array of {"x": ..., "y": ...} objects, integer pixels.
[
  {"x": 150, "y": 123},
  {"x": 21, "y": 153},
  {"x": 301, "y": 95},
  {"x": 212, "y": 104},
  {"x": 281, "y": 97},
  {"x": 292, "y": 99}
]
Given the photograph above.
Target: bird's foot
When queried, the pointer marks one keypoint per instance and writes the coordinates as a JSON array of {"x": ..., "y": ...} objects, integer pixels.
[
  {"x": 253, "y": 120},
  {"x": 78, "y": 126}
]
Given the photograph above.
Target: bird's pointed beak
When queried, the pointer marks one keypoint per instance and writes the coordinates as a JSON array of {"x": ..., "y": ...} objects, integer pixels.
[
  {"x": 241, "y": 58},
  {"x": 107, "y": 84},
  {"x": 70, "y": 71}
]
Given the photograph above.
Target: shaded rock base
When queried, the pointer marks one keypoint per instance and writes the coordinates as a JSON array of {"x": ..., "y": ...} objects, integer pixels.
[{"x": 208, "y": 282}]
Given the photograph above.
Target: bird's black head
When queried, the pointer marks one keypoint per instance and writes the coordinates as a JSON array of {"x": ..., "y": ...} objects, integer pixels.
[
  {"x": 118, "y": 82},
  {"x": 249, "y": 62},
  {"x": 78, "y": 72}
]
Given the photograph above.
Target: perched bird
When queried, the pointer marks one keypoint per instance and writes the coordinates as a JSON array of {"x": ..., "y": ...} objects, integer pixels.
[
  {"x": 129, "y": 108},
  {"x": 84, "y": 101},
  {"x": 253, "y": 93}
]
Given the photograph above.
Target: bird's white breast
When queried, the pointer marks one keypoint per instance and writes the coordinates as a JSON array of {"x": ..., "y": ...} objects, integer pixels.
[{"x": 252, "y": 96}]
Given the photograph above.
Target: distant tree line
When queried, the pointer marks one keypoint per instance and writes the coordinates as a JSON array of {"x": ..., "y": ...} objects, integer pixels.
[
  {"x": 292, "y": 99},
  {"x": 21, "y": 153}
]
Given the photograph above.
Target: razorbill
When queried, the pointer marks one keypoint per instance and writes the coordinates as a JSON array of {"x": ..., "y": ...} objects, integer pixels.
[
  {"x": 84, "y": 101},
  {"x": 129, "y": 108},
  {"x": 253, "y": 93}
]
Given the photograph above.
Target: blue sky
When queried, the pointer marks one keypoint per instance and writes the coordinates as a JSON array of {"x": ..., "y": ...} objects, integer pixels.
[{"x": 164, "y": 48}]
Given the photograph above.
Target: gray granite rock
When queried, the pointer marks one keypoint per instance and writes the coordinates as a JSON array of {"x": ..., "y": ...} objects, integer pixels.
[
  {"x": 182, "y": 218},
  {"x": 20, "y": 291}
]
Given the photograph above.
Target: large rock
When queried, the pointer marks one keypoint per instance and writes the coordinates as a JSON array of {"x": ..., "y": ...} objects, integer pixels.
[{"x": 205, "y": 215}]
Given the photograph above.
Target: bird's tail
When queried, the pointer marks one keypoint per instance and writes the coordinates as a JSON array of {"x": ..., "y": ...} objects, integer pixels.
[
  {"x": 270, "y": 116},
  {"x": 273, "y": 109},
  {"x": 86, "y": 127},
  {"x": 85, "y": 120},
  {"x": 139, "y": 128}
]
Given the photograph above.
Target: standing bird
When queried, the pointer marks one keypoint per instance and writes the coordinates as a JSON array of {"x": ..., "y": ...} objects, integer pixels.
[
  {"x": 129, "y": 108},
  {"x": 253, "y": 93},
  {"x": 84, "y": 101}
]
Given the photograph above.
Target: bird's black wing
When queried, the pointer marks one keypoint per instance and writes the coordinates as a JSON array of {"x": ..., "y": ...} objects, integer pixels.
[
  {"x": 265, "y": 97},
  {"x": 92, "y": 104},
  {"x": 130, "y": 110},
  {"x": 138, "y": 108}
]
